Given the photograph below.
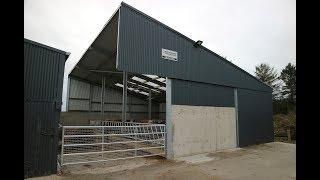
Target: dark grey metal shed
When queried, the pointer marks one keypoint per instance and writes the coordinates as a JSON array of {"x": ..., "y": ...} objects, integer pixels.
[
  {"x": 133, "y": 42},
  {"x": 43, "y": 79}
]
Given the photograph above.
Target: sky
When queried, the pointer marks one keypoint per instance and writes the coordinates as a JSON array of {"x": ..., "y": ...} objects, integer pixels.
[{"x": 246, "y": 32}]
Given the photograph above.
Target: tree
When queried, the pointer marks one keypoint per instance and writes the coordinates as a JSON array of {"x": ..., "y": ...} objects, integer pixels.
[
  {"x": 283, "y": 123},
  {"x": 288, "y": 76},
  {"x": 269, "y": 76}
]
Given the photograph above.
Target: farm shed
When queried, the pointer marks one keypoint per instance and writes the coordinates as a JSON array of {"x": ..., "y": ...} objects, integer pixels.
[
  {"x": 43, "y": 77},
  {"x": 139, "y": 69}
]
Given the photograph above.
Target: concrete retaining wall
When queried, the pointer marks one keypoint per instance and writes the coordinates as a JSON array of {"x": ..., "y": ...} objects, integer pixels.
[{"x": 201, "y": 129}]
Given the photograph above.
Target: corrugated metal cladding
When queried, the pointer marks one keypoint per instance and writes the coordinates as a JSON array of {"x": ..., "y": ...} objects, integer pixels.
[
  {"x": 43, "y": 68},
  {"x": 201, "y": 94},
  {"x": 79, "y": 100},
  {"x": 81, "y": 90},
  {"x": 141, "y": 39},
  {"x": 43, "y": 77},
  {"x": 254, "y": 117}
]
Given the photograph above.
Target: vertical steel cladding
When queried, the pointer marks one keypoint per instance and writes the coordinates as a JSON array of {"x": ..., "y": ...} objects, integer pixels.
[
  {"x": 201, "y": 94},
  {"x": 43, "y": 79},
  {"x": 254, "y": 117},
  {"x": 142, "y": 41}
]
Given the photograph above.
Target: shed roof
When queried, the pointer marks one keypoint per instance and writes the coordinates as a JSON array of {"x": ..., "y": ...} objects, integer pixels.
[{"x": 47, "y": 47}]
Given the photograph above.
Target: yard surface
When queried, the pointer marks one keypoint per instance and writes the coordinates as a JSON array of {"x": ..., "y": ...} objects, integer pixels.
[{"x": 275, "y": 160}]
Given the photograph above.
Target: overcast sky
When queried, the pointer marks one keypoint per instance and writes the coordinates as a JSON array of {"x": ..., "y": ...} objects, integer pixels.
[{"x": 247, "y": 32}]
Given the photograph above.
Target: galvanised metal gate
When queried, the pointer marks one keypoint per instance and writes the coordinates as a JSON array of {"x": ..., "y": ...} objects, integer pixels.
[{"x": 112, "y": 141}]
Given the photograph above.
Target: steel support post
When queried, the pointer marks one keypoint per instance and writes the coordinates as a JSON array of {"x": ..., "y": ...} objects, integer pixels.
[
  {"x": 149, "y": 104},
  {"x": 68, "y": 95},
  {"x": 236, "y": 108},
  {"x": 90, "y": 98},
  {"x": 169, "y": 125},
  {"x": 102, "y": 97},
  {"x": 130, "y": 102},
  {"x": 124, "y": 97}
]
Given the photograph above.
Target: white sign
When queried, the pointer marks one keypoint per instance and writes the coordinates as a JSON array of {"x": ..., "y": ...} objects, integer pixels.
[{"x": 170, "y": 55}]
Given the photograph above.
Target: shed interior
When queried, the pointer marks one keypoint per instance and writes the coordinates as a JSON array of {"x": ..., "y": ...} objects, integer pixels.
[{"x": 145, "y": 99}]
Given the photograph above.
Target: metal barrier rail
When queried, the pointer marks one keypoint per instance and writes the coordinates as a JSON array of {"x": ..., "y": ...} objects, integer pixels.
[
  {"x": 119, "y": 123},
  {"x": 87, "y": 144},
  {"x": 115, "y": 123}
]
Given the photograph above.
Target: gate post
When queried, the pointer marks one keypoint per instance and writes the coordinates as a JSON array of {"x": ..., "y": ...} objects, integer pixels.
[
  {"x": 135, "y": 139},
  {"x": 124, "y": 97}
]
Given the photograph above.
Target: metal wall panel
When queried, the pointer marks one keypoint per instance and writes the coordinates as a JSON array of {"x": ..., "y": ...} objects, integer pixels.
[
  {"x": 113, "y": 107},
  {"x": 113, "y": 96},
  {"x": 79, "y": 100},
  {"x": 135, "y": 100},
  {"x": 41, "y": 72},
  {"x": 200, "y": 94},
  {"x": 162, "y": 107},
  {"x": 141, "y": 39},
  {"x": 96, "y": 107},
  {"x": 43, "y": 78},
  {"x": 96, "y": 94},
  {"x": 79, "y": 89},
  {"x": 139, "y": 108},
  {"x": 77, "y": 104},
  {"x": 254, "y": 117},
  {"x": 118, "y": 108}
]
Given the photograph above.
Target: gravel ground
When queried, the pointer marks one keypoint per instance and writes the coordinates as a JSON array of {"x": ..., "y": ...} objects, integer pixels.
[{"x": 275, "y": 160}]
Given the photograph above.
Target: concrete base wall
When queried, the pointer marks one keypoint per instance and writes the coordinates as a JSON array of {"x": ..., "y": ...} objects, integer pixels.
[{"x": 201, "y": 129}]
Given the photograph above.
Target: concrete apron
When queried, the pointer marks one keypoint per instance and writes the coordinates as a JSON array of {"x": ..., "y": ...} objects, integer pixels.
[{"x": 202, "y": 129}]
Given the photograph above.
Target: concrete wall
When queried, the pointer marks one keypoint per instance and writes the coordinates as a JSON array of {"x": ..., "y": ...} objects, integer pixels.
[{"x": 201, "y": 129}]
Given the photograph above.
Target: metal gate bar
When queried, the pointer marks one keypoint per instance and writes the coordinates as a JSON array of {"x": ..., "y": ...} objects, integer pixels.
[{"x": 88, "y": 144}]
